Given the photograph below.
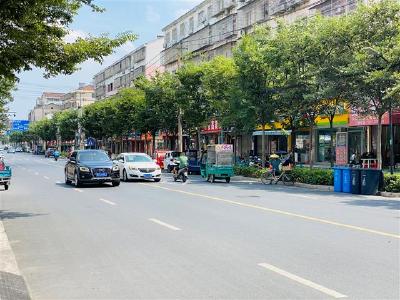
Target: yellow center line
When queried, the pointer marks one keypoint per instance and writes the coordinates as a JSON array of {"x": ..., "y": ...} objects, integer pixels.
[{"x": 278, "y": 211}]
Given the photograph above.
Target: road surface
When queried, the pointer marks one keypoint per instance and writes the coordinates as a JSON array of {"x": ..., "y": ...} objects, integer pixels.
[{"x": 197, "y": 240}]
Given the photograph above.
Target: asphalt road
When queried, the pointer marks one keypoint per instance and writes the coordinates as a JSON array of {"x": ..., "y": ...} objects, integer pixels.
[{"x": 197, "y": 240}]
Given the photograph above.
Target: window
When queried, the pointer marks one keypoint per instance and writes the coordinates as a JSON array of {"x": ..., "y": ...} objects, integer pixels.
[
  {"x": 110, "y": 87},
  {"x": 174, "y": 35},
  {"x": 138, "y": 158},
  {"x": 191, "y": 25},
  {"x": 200, "y": 19},
  {"x": 247, "y": 19},
  {"x": 209, "y": 12},
  {"x": 182, "y": 30},
  {"x": 168, "y": 38}
]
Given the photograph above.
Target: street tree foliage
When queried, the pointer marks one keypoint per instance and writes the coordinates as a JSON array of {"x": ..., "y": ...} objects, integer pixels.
[
  {"x": 373, "y": 74},
  {"x": 310, "y": 68},
  {"x": 66, "y": 123},
  {"x": 32, "y": 33}
]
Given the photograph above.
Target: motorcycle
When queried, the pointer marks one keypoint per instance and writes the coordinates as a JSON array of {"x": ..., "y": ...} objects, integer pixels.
[
  {"x": 180, "y": 174},
  {"x": 56, "y": 155}
]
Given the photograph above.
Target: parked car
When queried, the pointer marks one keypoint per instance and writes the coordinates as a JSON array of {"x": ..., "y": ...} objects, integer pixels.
[
  {"x": 138, "y": 166},
  {"x": 49, "y": 152},
  {"x": 10, "y": 150},
  {"x": 91, "y": 166},
  {"x": 169, "y": 160},
  {"x": 18, "y": 149}
]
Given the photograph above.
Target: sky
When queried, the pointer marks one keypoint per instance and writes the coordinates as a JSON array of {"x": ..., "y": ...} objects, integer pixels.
[{"x": 145, "y": 18}]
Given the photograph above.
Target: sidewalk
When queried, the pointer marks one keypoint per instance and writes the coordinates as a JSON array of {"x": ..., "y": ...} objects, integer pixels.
[{"x": 12, "y": 284}]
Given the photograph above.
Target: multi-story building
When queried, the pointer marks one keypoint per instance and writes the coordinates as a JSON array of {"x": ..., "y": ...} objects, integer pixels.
[
  {"x": 46, "y": 105},
  {"x": 254, "y": 12},
  {"x": 208, "y": 30},
  {"x": 80, "y": 97},
  {"x": 143, "y": 61}
]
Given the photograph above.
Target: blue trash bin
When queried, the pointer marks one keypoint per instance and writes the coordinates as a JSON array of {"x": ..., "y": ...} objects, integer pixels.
[
  {"x": 337, "y": 179},
  {"x": 346, "y": 180}
]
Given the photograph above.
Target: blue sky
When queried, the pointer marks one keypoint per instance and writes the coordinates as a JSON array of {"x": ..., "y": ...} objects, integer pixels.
[{"x": 143, "y": 17}]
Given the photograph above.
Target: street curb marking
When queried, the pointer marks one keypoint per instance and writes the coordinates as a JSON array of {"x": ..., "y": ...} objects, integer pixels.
[
  {"x": 282, "y": 212},
  {"x": 303, "y": 281},
  {"x": 164, "y": 224}
]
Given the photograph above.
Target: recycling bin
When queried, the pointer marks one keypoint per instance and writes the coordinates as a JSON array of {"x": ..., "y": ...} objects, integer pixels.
[
  {"x": 337, "y": 179},
  {"x": 355, "y": 181},
  {"x": 370, "y": 181},
  {"x": 346, "y": 180}
]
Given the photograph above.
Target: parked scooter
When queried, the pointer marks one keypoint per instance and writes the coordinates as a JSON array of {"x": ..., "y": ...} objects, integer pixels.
[{"x": 56, "y": 155}]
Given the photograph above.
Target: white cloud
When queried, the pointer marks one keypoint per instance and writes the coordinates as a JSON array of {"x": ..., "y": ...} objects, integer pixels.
[
  {"x": 152, "y": 16},
  {"x": 74, "y": 34}
]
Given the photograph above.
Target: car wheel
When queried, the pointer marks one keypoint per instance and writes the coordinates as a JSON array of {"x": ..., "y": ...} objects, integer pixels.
[
  {"x": 67, "y": 181},
  {"x": 157, "y": 180},
  {"x": 77, "y": 181},
  {"x": 124, "y": 176},
  {"x": 6, "y": 187},
  {"x": 212, "y": 178},
  {"x": 228, "y": 179},
  {"x": 115, "y": 183}
]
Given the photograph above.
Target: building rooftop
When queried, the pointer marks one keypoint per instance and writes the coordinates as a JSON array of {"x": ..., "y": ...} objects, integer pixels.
[{"x": 52, "y": 95}]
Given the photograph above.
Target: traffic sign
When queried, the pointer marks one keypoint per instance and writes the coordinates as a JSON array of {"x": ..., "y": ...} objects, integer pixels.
[{"x": 19, "y": 125}]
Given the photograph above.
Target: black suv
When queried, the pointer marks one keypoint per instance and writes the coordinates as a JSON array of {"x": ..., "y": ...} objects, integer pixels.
[{"x": 91, "y": 166}]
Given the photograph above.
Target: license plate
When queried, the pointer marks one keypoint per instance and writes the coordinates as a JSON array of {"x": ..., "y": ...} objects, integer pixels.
[
  {"x": 103, "y": 174},
  {"x": 147, "y": 176}
]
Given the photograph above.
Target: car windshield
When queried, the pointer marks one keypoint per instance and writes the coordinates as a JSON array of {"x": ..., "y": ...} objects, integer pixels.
[
  {"x": 93, "y": 156},
  {"x": 138, "y": 158}
]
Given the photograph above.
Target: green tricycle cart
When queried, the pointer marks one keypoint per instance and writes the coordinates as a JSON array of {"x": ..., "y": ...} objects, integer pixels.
[{"x": 217, "y": 162}]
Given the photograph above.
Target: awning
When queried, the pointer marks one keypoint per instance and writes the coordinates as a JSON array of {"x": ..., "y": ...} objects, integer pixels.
[{"x": 272, "y": 132}]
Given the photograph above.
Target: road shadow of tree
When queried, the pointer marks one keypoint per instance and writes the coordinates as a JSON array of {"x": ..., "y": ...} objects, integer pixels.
[
  {"x": 389, "y": 204},
  {"x": 10, "y": 215}
]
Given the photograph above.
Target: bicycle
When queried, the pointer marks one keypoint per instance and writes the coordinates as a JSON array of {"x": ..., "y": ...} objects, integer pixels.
[{"x": 274, "y": 177}]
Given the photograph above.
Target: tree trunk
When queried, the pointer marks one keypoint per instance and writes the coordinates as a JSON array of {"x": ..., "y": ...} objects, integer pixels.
[
  {"x": 379, "y": 143},
  {"x": 153, "y": 150},
  {"x": 263, "y": 145},
  {"x": 311, "y": 148},
  {"x": 293, "y": 143},
  {"x": 331, "y": 141}
]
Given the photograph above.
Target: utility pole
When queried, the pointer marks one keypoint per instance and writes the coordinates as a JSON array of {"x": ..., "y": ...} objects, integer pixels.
[
  {"x": 80, "y": 131},
  {"x": 180, "y": 113},
  {"x": 391, "y": 144}
]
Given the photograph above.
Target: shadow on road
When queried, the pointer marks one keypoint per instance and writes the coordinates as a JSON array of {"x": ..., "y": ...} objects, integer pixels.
[
  {"x": 390, "y": 204},
  {"x": 85, "y": 186},
  {"x": 10, "y": 215}
]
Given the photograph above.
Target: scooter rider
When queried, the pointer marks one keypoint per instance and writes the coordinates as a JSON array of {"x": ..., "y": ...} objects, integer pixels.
[{"x": 183, "y": 162}]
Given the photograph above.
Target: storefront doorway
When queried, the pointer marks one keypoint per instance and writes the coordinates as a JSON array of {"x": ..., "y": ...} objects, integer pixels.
[{"x": 324, "y": 145}]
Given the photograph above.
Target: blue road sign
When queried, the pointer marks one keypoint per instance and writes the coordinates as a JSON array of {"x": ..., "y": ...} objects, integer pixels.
[
  {"x": 91, "y": 142},
  {"x": 19, "y": 125}
]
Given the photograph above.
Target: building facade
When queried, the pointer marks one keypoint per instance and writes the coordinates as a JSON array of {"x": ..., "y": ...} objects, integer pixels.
[
  {"x": 143, "y": 61},
  {"x": 46, "y": 106},
  {"x": 80, "y": 97},
  {"x": 208, "y": 30}
]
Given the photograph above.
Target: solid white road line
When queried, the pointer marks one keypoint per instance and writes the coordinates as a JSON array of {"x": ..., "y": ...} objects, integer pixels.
[
  {"x": 276, "y": 211},
  {"x": 45, "y": 177},
  {"x": 164, "y": 224},
  {"x": 303, "y": 281},
  {"x": 78, "y": 190},
  {"x": 107, "y": 201}
]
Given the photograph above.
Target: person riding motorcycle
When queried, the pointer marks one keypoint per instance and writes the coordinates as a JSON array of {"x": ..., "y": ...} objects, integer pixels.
[
  {"x": 183, "y": 162},
  {"x": 56, "y": 155}
]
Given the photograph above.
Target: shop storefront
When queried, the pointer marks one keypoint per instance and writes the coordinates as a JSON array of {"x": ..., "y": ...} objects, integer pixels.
[
  {"x": 363, "y": 136},
  {"x": 276, "y": 141}
]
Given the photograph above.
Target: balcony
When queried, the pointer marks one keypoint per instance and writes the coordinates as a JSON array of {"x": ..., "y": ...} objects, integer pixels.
[{"x": 283, "y": 6}]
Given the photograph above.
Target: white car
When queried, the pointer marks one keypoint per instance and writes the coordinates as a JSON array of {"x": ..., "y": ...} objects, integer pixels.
[{"x": 138, "y": 166}]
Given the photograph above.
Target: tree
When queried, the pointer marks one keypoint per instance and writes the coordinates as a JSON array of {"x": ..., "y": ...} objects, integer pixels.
[
  {"x": 45, "y": 129},
  {"x": 67, "y": 124},
  {"x": 372, "y": 77},
  {"x": 255, "y": 78},
  {"x": 32, "y": 33},
  {"x": 16, "y": 137},
  {"x": 161, "y": 109}
]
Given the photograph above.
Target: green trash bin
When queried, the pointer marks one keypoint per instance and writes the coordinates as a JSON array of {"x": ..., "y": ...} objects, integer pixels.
[
  {"x": 370, "y": 181},
  {"x": 356, "y": 181}
]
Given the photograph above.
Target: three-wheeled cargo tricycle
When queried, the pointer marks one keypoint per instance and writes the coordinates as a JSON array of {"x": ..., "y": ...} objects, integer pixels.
[
  {"x": 217, "y": 162},
  {"x": 5, "y": 177}
]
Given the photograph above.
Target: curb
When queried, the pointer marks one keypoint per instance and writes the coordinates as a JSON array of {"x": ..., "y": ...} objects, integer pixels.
[
  {"x": 324, "y": 188},
  {"x": 389, "y": 194},
  {"x": 12, "y": 283}
]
